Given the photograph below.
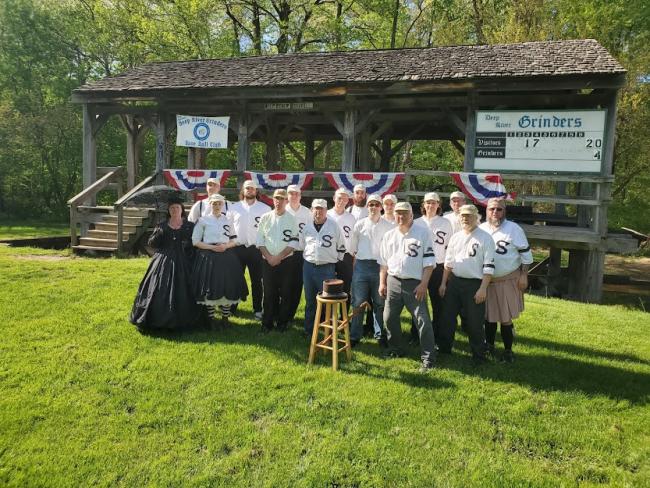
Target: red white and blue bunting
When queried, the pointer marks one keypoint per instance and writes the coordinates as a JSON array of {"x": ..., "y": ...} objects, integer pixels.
[
  {"x": 194, "y": 179},
  {"x": 375, "y": 183},
  {"x": 482, "y": 186},
  {"x": 273, "y": 181}
]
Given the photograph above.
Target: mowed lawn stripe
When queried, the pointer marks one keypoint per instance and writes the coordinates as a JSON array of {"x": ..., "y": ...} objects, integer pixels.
[{"x": 86, "y": 399}]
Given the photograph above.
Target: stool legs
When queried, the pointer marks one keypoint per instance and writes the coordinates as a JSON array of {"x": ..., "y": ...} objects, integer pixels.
[
  {"x": 331, "y": 327},
  {"x": 335, "y": 341},
  {"x": 314, "y": 334},
  {"x": 346, "y": 330}
]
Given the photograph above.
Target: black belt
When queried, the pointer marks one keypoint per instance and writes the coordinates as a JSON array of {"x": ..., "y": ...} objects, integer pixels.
[
  {"x": 466, "y": 279},
  {"x": 404, "y": 279}
]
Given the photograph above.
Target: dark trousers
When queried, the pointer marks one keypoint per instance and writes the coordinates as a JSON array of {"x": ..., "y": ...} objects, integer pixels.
[
  {"x": 277, "y": 294},
  {"x": 295, "y": 272},
  {"x": 251, "y": 258},
  {"x": 436, "y": 303},
  {"x": 459, "y": 298},
  {"x": 344, "y": 272}
]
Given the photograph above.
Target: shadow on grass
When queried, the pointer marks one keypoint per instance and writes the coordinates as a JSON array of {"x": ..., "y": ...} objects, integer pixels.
[{"x": 538, "y": 371}]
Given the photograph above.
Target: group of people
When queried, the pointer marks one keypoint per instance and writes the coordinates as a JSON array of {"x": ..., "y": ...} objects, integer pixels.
[{"x": 375, "y": 246}]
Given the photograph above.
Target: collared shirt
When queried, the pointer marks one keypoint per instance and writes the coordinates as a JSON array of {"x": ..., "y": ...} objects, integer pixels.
[
  {"x": 454, "y": 220},
  {"x": 346, "y": 223},
  {"x": 441, "y": 232},
  {"x": 276, "y": 232},
  {"x": 202, "y": 209},
  {"x": 213, "y": 230},
  {"x": 303, "y": 217},
  {"x": 247, "y": 218},
  {"x": 391, "y": 222},
  {"x": 358, "y": 212},
  {"x": 406, "y": 255},
  {"x": 325, "y": 245},
  {"x": 367, "y": 236},
  {"x": 470, "y": 255},
  {"x": 512, "y": 248}
]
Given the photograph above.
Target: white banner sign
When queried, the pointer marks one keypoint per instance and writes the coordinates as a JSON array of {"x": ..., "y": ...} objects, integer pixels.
[
  {"x": 207, "y": 132},
  {"x": 555, "y": 141}
]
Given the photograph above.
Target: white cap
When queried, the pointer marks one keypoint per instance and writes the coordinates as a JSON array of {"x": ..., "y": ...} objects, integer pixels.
[
  {"x": 457, "y": 194},
  {"x": 216, "y": 198},
  {"x": 213, "y": 180},
  {"x": 294, "y": 188},
  {"x": 404, "y": 207},
  {"x": 390, "y": 197},
  {"x": 468, "y": 210},
  {"x": 432, "y": 195},
  {"x": 359, "y": 187},
  {"x": 319, "y": 202},
  {"x": 373, "y": 198},
  {"x": 249, "y": 184},
  {"x": 341, "y": 191}
]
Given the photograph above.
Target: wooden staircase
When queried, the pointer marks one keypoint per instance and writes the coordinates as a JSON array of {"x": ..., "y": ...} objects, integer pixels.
[{"x": 103, "y": 238}]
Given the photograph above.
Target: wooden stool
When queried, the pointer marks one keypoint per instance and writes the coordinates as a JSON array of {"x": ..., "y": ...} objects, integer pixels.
[{"x": 331, "y": 328}]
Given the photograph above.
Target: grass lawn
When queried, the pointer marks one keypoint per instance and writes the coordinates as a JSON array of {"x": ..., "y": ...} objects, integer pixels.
[
  {"x": 25, "y": 229},
  {"x": 86, "y": 400}
]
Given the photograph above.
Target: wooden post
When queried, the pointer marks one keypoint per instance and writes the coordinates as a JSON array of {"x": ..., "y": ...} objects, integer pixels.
[
  {"x": 470, "y": 135},
  {"x": 89, "y": 148},
  {"x": 272, "y": 152},
  {"x": 386, "y": 153},
  {"x": 135, "y": 134},
  {"x": 243, "y": 142},
  {"x": 161, "y": 143},
  {"x": 191, "y": 158},
  {"x": 310, "y": 155},
  {"x": 349, "y": 140},
  {"x": 364, "y": 150}
]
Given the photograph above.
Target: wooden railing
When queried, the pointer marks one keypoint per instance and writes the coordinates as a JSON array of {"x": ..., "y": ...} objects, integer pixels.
[
  {"x": 119, "y": 207},
  {"x": 77, "y": 203}
]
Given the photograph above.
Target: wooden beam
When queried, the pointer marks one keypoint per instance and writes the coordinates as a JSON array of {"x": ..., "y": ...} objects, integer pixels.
[
  {"x": 349, "y": 140},
  {"x": 89, "y": 149},
  {"x": 383, "y": 127},
  {"x": 470, "y": 135},
  {"x": 243, "y": 142},
  {"x": 272, "y": 139},
  {"x": 458, "y": 145},
  {"x": 310, "y": 151},
  {"x": 295, "y": 152},
  {"x": 161, "y": 143},
  {"x": 364, "y": 150},
  {"x": 336, "y": 122},
  {"x": 363, "y": 122},
  {"x": 456, "y": 123}
]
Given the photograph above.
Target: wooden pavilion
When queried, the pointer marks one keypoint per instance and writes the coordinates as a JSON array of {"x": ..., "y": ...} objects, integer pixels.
[{"x": 371, "y": 101}]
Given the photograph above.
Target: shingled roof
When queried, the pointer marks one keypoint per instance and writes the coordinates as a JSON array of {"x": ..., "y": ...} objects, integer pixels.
[{"x": 437, "y": 64}]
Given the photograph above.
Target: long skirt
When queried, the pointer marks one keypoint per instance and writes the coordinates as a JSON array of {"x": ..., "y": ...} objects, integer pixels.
[
  {"x": 505, "y": 301},
  {"x": 217, "y": 278}
]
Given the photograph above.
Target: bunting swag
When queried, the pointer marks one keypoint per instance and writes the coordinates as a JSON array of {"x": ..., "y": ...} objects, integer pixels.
[
  {"x": 272, "y": 181},
  {"x": 482, "y": 186},
  {"x": 375, "y": 183},
  {"x": 194, "y": 179}
]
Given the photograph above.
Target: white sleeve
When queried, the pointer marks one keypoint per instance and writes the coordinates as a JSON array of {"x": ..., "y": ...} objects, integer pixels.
[
  {"x": 197, "y": 233},
  {"x": 383, "y": 251},
  {"x": 488, "y": 256},
  {"x": 354, "y": 239},
  {"x": 449, "y": 255},
  {"x": 428, "y": 256},
  {"x": 260, "y": 238},
  {"x": 195, "y": 212},
  {"x": 521, "y": 244}
]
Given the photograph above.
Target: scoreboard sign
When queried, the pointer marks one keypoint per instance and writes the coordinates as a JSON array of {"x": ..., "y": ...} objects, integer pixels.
[{"x": 545, "y": 141}]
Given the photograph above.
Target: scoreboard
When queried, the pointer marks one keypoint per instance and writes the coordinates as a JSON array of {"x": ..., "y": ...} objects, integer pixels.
[{"x": 569, "y": 141}]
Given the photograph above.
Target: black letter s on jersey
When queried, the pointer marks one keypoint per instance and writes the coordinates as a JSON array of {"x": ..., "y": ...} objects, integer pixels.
[
  {"x": 472, "y": 253},
  {"x": 327, "y": 241},
  {"x": 501, "y": 247}
]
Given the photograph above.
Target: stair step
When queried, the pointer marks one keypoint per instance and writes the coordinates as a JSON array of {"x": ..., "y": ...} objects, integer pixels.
[
  {"x": 95, "y": 242},
  {"x": 94, "y": 248},
  {"x": 125, "y": 219},
  {"x": 112, "y": 227},
  {"x": 108, "y": 234},
  {"x": 135, "y": 212}
]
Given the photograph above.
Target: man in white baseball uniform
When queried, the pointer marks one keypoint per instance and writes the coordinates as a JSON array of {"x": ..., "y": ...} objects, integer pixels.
[
  {"x": 247, "y": 213},
  {"x": 366, "y": 240},
  {"x": 303, "y": 216},
  {"x": 277, "y": 238},
  {"x": 202, "y": 208},
  {"x": 345, "y": 221},
  {"x": 407, "y": 260},
  {"x": 469, "y": 265},
  {"x": 358, "y": 207},
  {"x": 505, "y": 294},
  {"x": 389, "y": 201},
  {"x": 324, "y": 247},
  {"x": 456, "y": 200}
]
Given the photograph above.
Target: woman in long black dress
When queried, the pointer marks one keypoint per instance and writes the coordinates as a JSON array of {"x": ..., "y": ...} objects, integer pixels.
[
  {"x": 218, "y": 278},
  {"x": 164, "y": 299}
]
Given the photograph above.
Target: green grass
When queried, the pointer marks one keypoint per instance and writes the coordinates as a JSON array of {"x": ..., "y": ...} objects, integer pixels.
[
  {"x": 87, "y": 400},
  {"x": 25, "y": 229}
]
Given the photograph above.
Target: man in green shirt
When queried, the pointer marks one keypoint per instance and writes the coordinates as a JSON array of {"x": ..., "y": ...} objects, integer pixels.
[{"x": 277, "y": 237}]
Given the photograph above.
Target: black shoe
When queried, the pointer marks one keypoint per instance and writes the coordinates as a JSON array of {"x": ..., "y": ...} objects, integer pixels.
[
  {"x": 282, "y": 328},
  {"x": 490, "y": 351},
  {"x": 414, "y": 341},
  {"x": 265, "y": 330},
  {"x": 508, "y": 356},
  {"x": 354, "y": 342},
  {"x": 225, "y": 322},
  {"x": 478, "y": 361},
  {"x": 444, "y": 350},
  {"x": 391, "y": 355},
  {"x": 215, "y": 324},
  {"x": 426, "y": 366}
]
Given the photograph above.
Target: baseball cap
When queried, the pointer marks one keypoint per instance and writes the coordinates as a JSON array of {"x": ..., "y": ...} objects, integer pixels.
[
  {"x": 216, "y": 198},
  {"x": 213, "y": 180},
  {"x": 249, "y": 183},
  {"x": 468, "y": 210},
  {"x": 318, "y": 202},
  {"x": 280, "y": 193},
  {"x": 294, "y": 188},
  {"x": 341, "y": 191},
  {"x": 359, "y": 187},
  {"x": 373, "y": 198},
  {"x": 457, "y": 194},
  {"x": 403, "y": 207},
  {"x": 390, "y": 197},
  {"x": 432, "y": 195}
]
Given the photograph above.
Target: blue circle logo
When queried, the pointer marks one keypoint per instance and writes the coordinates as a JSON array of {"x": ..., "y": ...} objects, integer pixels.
[{"x": 201, "y": 131}]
